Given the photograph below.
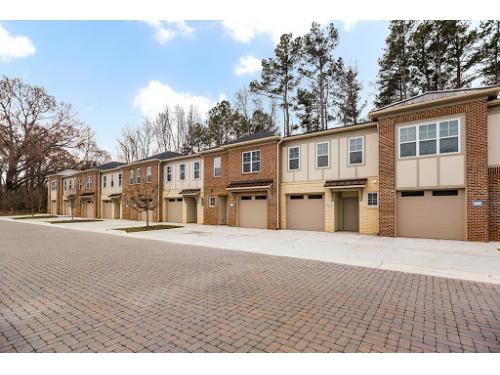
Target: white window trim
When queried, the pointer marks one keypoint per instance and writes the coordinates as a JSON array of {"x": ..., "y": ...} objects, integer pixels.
[
  {"x": 104, "y": 181},
  {"x": 316, "y": 153},
  {"x": 180, "y": 172},
  {"x": 417, "y": 139},
  {"x": 199, "y": 170},
  {"x": 220, "y": 167},
  {"x": 88, "y": 182},
  {"x": 368, "y": 202},
  {"x": 149, "y": 172},
  {"x": 137, "y": 175},
  {"x": 251, "y": 161},
  {"x": 210, "y": 200},
  {"x": 288, "y": 157},
  {"x": 362, "y": 150},
  {"x": 167, "y": 167}
]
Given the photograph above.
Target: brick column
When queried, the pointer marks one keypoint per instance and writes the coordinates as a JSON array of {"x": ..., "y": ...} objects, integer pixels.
[
  {"x": 494, "y": 187},
  {"x": 387, "y": 180}
]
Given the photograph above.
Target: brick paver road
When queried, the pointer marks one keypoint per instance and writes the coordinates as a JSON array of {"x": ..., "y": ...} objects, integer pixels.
[{"x": 64, "y": 290}]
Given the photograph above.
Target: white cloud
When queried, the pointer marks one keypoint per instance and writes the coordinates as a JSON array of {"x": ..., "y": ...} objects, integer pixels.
[
  {"x": 14, "y": 47},
  {"x": 152, "y": 98},
  {"x": 247, "y": 65},
  {"x": 349, "y": 25},
  {"x": 164, "y": 31}
]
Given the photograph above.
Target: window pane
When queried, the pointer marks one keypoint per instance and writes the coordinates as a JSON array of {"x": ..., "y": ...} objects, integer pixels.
[
  {"x": 448, "y": 145},
  {"x": 453, "y": 127},
  {"x": 256, "y": 166},
  {"x": 246, "y": 167},
  {"x": 246, "y": 157},
  {"x": 356, "y": 157},
  {"x": 427, "y": 147},
  {"x": 294, "y": 164},
  {"x": 293, "y": 152},
  {"x": 427, "y": 131},
  {"x": 323, "y": 161},
  {"x": 356, "y": 144},
  {"x": 408, "y": 149},
  {"x": 408, "y": 134},
  {"x": 322, "y": 149},
  {"x": 256, "y": 156}
]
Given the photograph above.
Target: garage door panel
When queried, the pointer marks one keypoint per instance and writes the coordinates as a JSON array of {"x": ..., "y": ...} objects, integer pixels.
[
  {"x": 107, "y": 210},
  {"x": 428, "y": 216},
  {"x": 306, "y": 212},
  {"x": 253, "y": 211},
  {"x": 174, "y": 210}
]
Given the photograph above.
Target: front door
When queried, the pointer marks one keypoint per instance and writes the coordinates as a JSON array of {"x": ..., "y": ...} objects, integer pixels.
[
  {"x": 222, "y": 215},
  {"x": 350, "y": 214}
]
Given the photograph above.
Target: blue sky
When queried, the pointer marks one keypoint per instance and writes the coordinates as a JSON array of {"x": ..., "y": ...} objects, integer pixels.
[{"x": 116, "y": 72}]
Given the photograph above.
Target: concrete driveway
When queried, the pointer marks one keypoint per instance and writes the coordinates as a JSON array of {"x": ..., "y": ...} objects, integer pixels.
[
  {"x": 71, "y": 291},
  {"x": 453, "y": 259}
]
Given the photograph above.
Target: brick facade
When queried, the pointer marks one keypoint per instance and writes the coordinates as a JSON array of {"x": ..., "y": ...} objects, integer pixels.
[
  {"x": 494, "y": 186},
  {"x": 130, "y": 190},
  {"x": 231, "y": 171},
  {"x": 57, "y": 195},
  {"x": 476, "y": 165},
  {"x": 80, "y": 192}
]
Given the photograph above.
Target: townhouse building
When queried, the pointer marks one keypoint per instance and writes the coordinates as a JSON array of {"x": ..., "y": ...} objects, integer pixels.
[
  {"x": 241, "y": 182},
  {"x": 111, "y": 190},
  {"x": 58, "y": 190},
  {"x": 183, "y": 189}
]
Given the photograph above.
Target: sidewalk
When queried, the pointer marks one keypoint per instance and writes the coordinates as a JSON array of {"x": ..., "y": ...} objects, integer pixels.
[{"x": 453, "y": 259}]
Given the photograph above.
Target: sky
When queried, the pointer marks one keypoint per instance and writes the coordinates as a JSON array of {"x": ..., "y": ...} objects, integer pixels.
[{"x": 117, "y": 72}]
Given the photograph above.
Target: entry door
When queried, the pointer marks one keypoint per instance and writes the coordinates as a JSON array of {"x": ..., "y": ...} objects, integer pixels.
[
  {"x": 53, "y": 209},
  {"x": 116, "y": 211},
  {"x": 351, "y": 214},
  {"x": 90, "y": 211},
  {"x": 222, "y": 215}
]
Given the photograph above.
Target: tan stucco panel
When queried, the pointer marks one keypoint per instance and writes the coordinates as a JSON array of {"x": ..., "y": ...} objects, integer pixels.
[
  {"x": 428, "y": 172},
  {"x": 406, "y": 173},
  {"x": 452, "y": 170},
  {"x": 494, "y": 138}
]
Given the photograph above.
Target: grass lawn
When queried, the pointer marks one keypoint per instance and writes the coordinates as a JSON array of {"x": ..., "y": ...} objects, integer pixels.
[
  {"x": 34, "y": 217},
  {"x": 74, "y": 221},
  {"x": 151, "y": 227}
]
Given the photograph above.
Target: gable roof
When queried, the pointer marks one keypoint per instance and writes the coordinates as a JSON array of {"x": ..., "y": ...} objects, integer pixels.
[
  {"x": 251, "y": 137},
  {"x": 161, "y": 156},
  {"x": 110, "y": 165}
]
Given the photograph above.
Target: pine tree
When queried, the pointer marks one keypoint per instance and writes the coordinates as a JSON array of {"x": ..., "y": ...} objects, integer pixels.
[
  {"x": 348, "y": 96},
  {"x": 279, "y": 76},
  {"x": 489, "y": 52},
  {"x": 307, "y": 111},
  {"x": 421, "y": 69},
  {"x": 394, "y": 79},
  {"x": 319, "y": 66},
  {"x": 220, "y": 124}
]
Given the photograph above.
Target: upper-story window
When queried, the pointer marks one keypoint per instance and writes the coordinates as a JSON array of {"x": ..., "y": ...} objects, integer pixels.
[
  {"x": 429, "y": 139},
  {"x": 251, "y": 161},
  {"x": 356, "y": 150},
  {"x": 119, "y": 179},
  {"x": 322, "y": 155},
  {"x": 169, "y": 173},
  {"x": 104, "y": 181},
  {"x": 53, "y": 186},
  {"x": 294, "y": 158},
  {"x": 196, "y": 170},
  {"x": 79, "y": 184},
  {"x": 112, "y": 180},
  {"x": 70, "y": 184},
  {"x": 138, "y": 176},
  {"x": 88, "y": 182},
  {"x": 149, "y": 175},
  {"x": 217, "y": 166},
  {"x": 182, "y": 172},
  {"x": 131, "y": 177},
  {"x": 65, "y": 185}
]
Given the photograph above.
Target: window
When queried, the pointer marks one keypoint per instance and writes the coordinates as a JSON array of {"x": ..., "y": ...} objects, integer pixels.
[
  {"x": 315, "y": 196},
  {"x": 119, "y": 179},
  {"x": 169, "y": 173},
  {"x": 126, "y": 202},
  {"x": 372, "y": 199},
  {"x": 179, "y": 199},
  {"x": 251, "y": 161},
  {"x": 448, "y": 136},
  {"x": 138, "y": 176},
  {"x": 408, "y": 141},
  {"x": 294, "y": 197},
  {"x": 322, "y": 159},
  {"x": 79, "y": 184},
  {"x": 112, "y": 180},
  {"x": 104, "y": 181},
  {"x": 356, "y": 150},
  {"x": 421, "y": 140},
  {"x": 246, "y": 198},
  {"x": 70, "y": 184},
  {"x": 260, "y": 197},
  {"x": 149, "y": 175},
  {"x": 294, "y": 158},
  {"x": 88, "y": 182},
  {"x": 53, "y": 186},
  {"x": 217, "y": 166},
  {"x": 427, "y": 139},
  {"x": 417, "y": 193},
  {"x": 196, "y": 170},
  {"x": 182, "y": 172},
  {"x": 211, "y": 202},
  {"x": 445, "y": 193},
  {"x": 130, "y": 177},
  {"x": 171, "y": 199},
  {"x": 65, "y": 185}
]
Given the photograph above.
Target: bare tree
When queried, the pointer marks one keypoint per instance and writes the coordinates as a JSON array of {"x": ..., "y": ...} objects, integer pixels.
[
  {"x": 162, "y": 130},
  {"x": 87, "y": 150},
  {"x": 180, "y": 127},
  {"x": 145, "y": 137},
  {"x": 128, "y": 145},
  {"x": 145, "y": 200}
]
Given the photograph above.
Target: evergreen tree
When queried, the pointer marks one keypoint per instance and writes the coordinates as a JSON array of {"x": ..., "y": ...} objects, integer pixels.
[
  {"x": 307, "y": 111},
  {"x": 394, "y": 79},
  {"x": 220, "y": 124},
  {"x": 278, "y": 77},
  {"x": 348, "y": 98},
  {"x": 196, "y": 139},
  {"x": 320, "y": 67},
  {"x": 489, "y": 52},
  {"x": 421, "y": 69}
]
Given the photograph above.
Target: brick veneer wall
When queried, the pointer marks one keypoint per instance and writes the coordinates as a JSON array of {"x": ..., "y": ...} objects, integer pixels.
[
  {"x": 494, "y": 186},
  {"x": 128, "y": 191},
  {"x": 231, "y": 171},
  {"x": 95, "y": 188},
  {"x": 476, "y": 165},
  {"x": 58, "y": 195}
]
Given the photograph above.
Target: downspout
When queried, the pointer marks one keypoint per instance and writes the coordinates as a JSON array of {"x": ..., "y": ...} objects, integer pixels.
[
  {"x": 158, "y": 206},
  {"x": 98, "y": 196},
  {"x": 278, "y": 174}
]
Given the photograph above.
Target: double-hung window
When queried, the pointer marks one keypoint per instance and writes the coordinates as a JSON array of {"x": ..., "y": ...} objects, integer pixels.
[
  {"x": 138, "y": 176},
  {"x": 427, "y": 139},
  {"x": 448, "y": 136},
  {"x": 372, "y": 199},
  {"x": 65, "y": 185},
  {"x": 211, "y": 202},
  {"x": 88, "y": 182},
  {"x": 79, "y": 184},
  {"x": 169, "y": 173},
  {"x": 104, "y": 181},
  {"x": 182, "y": 172},
  {"x": 112, "y": 180},
  {"x": 294, "y": 158},
  {"x": 217, "y": 166},
  {"x": 408, "y": 141},
  {"x": 119, "y": 179},
  {"x": 149, "y": 175},
  {"x": 70, "y": 184},
  {"x": 131, "y": 177},
  {"x": 356, "y": 150},
  {"x": 251, "y": 161},
  {"x": 53, "y": 186},
  {"x": 196, "y": 170},
  {"x": 322, "y": 155}
]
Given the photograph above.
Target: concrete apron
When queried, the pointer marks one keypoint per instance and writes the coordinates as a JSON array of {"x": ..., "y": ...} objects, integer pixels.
[{"x": 452, "y": 259}]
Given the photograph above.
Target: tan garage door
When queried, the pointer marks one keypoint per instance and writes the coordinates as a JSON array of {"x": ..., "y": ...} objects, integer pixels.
[
  {"x": 144, "y": 215},
  {"x": 107, "y": 210},
  {"x": 67, "y": 208},
  {"x": 305, "y": 212},
  {"x": 431, "y": 214},
  {"x": 89, "y": 209},
  {"x": 174, "y": 210},
  {"x": 252, "y": 211},
  {"x": 53, "y": 207}
]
